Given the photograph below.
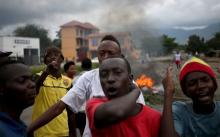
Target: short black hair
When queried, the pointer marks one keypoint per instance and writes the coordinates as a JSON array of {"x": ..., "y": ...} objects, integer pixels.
[
  {"x": 67, "y": 65},
  {"x": 126, "y": 62},
  {"x": 111, "y": 38},
  {"x": 86, "y": 64},
  {"x": 3, "y": 67}
]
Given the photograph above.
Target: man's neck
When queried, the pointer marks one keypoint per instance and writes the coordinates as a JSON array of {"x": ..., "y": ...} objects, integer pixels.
[
  {"x": 56, "y": 74},
  {"x": 13, "y": 112},
  {"x": 204, "y": 109}
]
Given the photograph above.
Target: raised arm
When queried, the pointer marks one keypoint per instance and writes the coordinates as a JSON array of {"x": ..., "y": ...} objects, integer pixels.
[
  {"x": 40, "y": 80},
  {"x": 167, "y": 124},
  {"x": 50, "y": 69},
  {"x": 47, "y": 116},
  {"x": 116, "y": 109}
]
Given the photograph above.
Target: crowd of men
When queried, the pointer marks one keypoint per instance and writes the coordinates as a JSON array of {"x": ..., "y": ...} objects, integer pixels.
[{"x": 104, "y": 102}]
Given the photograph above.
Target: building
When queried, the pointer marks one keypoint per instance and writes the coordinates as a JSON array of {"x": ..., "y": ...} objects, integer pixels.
[
  {"x": 22, "y": 48},
  {"x": 74, "y": 42},
  {"x": 124, "y": 39}
]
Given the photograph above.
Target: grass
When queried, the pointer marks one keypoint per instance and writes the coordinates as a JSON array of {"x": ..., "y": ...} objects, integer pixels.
[{"x": 153, "y": 99}]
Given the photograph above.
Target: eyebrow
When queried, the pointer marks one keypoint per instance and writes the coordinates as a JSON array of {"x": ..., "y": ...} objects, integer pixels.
[{"x": 205, "y": 76}]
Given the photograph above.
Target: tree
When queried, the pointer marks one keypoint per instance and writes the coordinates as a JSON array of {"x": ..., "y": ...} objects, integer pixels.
[
  {"x": 34, "y": 31},
  {"x": 57, "y": 41},
  {"x": 196, "y": 44},
  {"x": 169, "y": 44},
  {"x": 214, "y": 43}
]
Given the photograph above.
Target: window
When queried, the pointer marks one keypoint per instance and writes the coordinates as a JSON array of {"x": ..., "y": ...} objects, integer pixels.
[
  {"x": 94, "y": 42},
  {"x": 21, "y": 41}
]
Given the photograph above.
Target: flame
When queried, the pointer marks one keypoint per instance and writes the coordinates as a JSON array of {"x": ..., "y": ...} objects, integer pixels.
[{"x": 145, "y": 81}]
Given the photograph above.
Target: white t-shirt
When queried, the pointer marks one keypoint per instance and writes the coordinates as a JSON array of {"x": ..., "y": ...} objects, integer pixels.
[
  {"x": 87, "y": 86},
  {"x": 82, "y": 108},
  {"x": 177, "y": 57}
]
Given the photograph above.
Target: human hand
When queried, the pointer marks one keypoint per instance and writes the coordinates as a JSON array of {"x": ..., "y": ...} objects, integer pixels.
[
  {"x": 52, "y": 66},
  {"x": 168, "y": 83}
]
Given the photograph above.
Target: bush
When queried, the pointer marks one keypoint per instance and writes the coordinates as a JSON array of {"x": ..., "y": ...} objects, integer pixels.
[
  {"x": 153, "y": 99},
  {"x": 36, "y": 69}
]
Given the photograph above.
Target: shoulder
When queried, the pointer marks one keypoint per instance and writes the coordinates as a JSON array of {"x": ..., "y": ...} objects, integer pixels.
[
  {"x": 151, "y": 112},
  {"x": 7, "y": 123},
  {"x": 93, "y": 103},
  {"x": 179, "y": 105},
  {"x": 97, "y": 100},
  {"x": 89, "y": 74},
  {"x": 217, "y": 105},
  {"x": 181, "y": 109},
  {"x": 66, "y": 78},
  {"x": 86, "y": 78},
  {"x": 78, "y": 75},
  {"x": 66, "y": 81}
]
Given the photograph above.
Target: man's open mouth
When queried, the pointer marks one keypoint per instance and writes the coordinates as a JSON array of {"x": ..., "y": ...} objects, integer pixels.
[
  {"x": 112, "y": 91},
  {"x": 204, "y": 96}
]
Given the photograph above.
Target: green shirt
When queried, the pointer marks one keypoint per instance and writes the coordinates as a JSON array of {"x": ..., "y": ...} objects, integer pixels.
[{"x": 189, "y": 124}]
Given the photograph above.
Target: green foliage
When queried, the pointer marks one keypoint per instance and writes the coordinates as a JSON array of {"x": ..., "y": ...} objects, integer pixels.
[
  {"x": 153, "y": 99},
  {"x": 57, "y": 41},
  {"x": 95, "y": 65},
  {"x": 39, "y": 68},
  {"x": 214, "y": 43},
  {"x": 34, "y": 31},
  {"x": 169, "y": 43},
  {"x": 196, "y": 44}
]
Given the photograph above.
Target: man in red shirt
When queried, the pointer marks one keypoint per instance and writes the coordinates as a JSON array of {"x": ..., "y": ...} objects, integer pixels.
[{"x": 118, "y": 114}]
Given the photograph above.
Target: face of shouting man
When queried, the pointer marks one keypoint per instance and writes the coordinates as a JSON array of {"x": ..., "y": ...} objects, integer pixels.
[{"x": 115, "y": 77}]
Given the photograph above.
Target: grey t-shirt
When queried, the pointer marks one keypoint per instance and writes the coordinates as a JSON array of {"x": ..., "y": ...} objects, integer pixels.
[{"x": 189, "y": 124}]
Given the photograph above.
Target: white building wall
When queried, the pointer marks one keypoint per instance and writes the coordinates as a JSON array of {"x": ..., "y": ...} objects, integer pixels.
[{"x": 17, "y": 45}]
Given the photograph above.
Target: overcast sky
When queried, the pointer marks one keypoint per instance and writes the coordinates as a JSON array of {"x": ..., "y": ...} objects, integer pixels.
[{"x": 109, "y": 15}]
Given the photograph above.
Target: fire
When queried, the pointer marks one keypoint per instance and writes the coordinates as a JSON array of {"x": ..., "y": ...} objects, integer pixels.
[{"x": 145, "y": 81}]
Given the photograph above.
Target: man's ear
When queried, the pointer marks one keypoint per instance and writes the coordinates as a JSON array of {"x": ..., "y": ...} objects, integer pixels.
[
  {"x": 62, "y": 57},
  {"x": 131, "y": 84},
  {"x": 131, "y": 77}
]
